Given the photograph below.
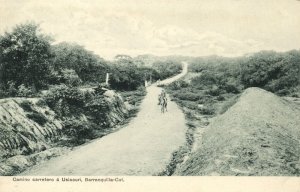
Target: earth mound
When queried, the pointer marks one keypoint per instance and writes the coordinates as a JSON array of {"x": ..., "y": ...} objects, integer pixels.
[{"x": 259, "y": 135}]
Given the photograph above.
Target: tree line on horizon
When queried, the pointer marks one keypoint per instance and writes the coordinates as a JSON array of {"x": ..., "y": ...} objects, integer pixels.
[
  {"x": 29, "y": 62},
  {"x": 273, "y": 71}
]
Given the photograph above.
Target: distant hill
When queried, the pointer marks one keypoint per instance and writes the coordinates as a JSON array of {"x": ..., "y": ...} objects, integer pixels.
[{"x": 259, "y": 135}]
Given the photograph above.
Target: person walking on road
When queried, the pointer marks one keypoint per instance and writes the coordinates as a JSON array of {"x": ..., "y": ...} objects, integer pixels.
[{"x": 163, "y": 101}]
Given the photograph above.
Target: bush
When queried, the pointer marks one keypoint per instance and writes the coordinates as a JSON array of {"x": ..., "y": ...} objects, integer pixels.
[
  {"x": 214, "y": 91},
  {"x": 12, "y": 91},
  {"x": 65, "y": 101},
  {"x": 26, "y": 106},
  {"x": 220, "y": 98},
  {"x": 233, "y": 85},
  {"x": 228, "y": 104},
  {"x": 187, "y": 96},
  {"x": 168, "y": 68},
  {"x": 3, "y": 91},
  {"x": 98, "y": 109},
  {"x": 178, "y": 85},
  {"x": 70, "y": 77},
  {"x": 24, "y": 91},
  {"x": 207, "y": 110},
  {"x": 78, "y": 131},
  {"x": 41, "y": 103},
  {"x": 141, "y": 91}
]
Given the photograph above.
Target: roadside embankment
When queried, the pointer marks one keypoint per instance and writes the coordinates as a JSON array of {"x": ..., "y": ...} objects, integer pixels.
[{"x": 258, "y": 135}]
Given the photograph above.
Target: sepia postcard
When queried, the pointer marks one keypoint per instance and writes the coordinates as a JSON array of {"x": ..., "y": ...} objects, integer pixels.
[{"x": 140, "y": 95}]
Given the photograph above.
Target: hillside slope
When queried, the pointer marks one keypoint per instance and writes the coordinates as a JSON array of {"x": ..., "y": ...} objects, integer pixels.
[
  {"x": 259, "y": 135},
  {"x": 26, "y": 126},
  {"x": 30, "y": 130}
]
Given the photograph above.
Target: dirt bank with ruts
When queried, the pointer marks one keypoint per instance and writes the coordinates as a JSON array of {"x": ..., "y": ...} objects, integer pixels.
[{"x": 30, "y": 130}]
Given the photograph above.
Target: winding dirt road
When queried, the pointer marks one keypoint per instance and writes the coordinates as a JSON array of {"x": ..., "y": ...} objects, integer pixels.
[{"x": 143, "y": 147}]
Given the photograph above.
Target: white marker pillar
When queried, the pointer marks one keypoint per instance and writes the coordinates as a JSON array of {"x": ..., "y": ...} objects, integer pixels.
[{"x": 107, "y": 78}]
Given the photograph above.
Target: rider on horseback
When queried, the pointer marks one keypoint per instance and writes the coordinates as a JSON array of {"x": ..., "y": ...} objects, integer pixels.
[{"x": 161, "y": 96}]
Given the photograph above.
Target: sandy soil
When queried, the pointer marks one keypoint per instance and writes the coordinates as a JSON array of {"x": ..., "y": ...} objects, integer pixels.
[
  {"x": 144, "y": 147},
  {"x": 259, "y": 135}
]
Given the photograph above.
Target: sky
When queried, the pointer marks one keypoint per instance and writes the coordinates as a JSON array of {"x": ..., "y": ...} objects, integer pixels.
[{"x": 162, "y": 27}]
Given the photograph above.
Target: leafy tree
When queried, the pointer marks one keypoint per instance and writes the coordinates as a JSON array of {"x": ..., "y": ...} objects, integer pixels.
[
  {"x": 125, "y": 76},
  {"x": 276, "y": 72},
  {"x": 89, "y": 66},
  {"x": 25, "y": 56},
  {"x": 128, "y": 74}
]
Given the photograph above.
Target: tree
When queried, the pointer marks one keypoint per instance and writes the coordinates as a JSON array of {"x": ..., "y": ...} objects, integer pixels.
[
  {"x": 89, "y": 66},
  {"x": 125, "y": 76},
  {"x": 276, "y": 72},
  {"x": 25, "y": 56},
  {"x": 129, "y": 74},
  {"x": 167, "y": 68}
]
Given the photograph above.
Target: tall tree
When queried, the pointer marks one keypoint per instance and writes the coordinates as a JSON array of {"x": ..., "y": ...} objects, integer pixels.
[{"x": 25, "y": 56}]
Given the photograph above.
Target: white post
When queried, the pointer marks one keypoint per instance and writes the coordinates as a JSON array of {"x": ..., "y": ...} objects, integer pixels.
[{"x": 107, "y": 78}]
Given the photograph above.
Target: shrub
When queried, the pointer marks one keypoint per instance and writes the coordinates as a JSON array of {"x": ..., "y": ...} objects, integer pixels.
[
  {"x": 207, "y": 110},
  {"x": 167, "y": 68},
  {"x": 26, "y": 106},
  {"x": 178, "y": 85},
  {"x": 3, "y": 91},
  {"x": 228, "y": 104},
  {"x": 65, "y": 101},
  {"x": 70, "y": 77},
  {"x": 214, "y": 91},
  {"x": 220, "y": 98},
  {"x": 186, "y": 95},
  {"x": 141, "y": 91},
  {"x": 98, "y": 109},
  {"x": 41, "y": 103},
  {"x": 232, "y": 85},
  {"x": 24, "y": 91},
  {"x": 12, "y": 91},
  {"x": 78, "y": 131}
]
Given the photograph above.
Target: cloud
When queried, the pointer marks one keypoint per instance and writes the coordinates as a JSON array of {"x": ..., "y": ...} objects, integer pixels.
[
  {"x": 130, "y": 35},
  {"x": 119, "y": 27}
]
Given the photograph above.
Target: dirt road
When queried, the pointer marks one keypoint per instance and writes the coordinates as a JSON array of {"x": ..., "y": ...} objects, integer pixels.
[{"x": 144, "y": 147}]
